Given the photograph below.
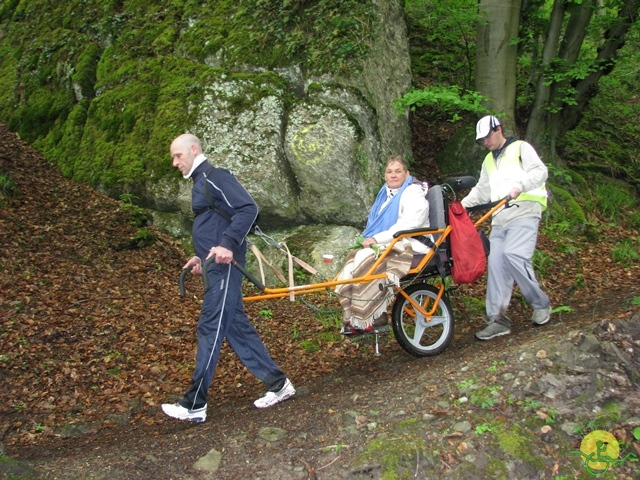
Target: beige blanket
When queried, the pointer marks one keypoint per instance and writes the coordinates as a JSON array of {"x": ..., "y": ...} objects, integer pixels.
[{"x": 363, "y": 302}]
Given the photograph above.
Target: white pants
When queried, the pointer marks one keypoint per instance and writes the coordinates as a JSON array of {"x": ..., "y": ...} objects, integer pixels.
[{"x": 512, "y": 249}]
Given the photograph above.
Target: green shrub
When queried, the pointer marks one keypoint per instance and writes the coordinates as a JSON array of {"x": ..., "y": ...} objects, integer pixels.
[
  {"x": 310, "y": 346},
  {"x": 139, "y": 217},
  {"x": 144, "y": 238},
  {"x": 8, "y": 188},
  {"x": 564, "y": 210},
  {"x": 626, "y": 251},
  {"x": 612, "y": 199}
]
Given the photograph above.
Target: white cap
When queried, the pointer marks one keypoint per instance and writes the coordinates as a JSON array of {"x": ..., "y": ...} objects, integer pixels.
[{"x": 485, "y": 126}]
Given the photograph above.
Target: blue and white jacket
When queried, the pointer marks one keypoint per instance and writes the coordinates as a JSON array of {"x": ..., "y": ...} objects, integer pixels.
[{"x": 210, "y": 228}]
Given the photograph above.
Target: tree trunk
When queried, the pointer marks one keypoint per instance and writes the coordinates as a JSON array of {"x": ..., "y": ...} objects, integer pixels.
[
  {"x": 536, "y": 125},
  {"x": 605, "y": 60},
  {"x": 576, "y": 31},
  {"x": 496, "y": 56}
]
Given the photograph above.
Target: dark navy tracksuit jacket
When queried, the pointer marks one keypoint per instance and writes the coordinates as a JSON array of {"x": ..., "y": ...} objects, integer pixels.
[{"x": 222, "y": 315}]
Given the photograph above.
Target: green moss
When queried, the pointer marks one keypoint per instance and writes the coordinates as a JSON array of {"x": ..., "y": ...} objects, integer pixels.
[
  {"x": 310, "y": 346},
  {"x": 496, "y": 469},
  {"x": 563, "y": 207},
  {"x": 85, "y": 70},
  {"x": 515, "y": 443},
  {"x": 397, "y": 455},
  {"x": 613, "y": 198}
]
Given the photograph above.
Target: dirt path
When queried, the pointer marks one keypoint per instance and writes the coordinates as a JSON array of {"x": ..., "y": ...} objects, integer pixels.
[{"x": 336, "y": 424}]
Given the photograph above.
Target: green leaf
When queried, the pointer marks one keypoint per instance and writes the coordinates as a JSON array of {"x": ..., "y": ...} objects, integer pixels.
[{"x": 562, "y": 308}]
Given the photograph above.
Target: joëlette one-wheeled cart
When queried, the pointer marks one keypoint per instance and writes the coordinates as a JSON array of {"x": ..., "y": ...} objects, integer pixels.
[{"x": 422, "y": 318}]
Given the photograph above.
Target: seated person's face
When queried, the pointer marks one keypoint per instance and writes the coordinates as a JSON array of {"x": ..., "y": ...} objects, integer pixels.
[{"x": 395, "y": 175}]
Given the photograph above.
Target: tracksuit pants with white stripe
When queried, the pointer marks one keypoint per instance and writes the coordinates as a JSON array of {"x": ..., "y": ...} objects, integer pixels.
[
  {"x": 512, "y": 249},
  {"x": 223, "y": 316}
]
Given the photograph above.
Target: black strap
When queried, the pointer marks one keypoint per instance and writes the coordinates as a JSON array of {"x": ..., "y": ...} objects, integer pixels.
[
  {"x": 211, "y": 206},
  {"x": 219, "y": 211}
]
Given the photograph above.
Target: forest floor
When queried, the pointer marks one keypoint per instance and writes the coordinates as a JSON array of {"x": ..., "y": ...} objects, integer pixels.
[{"x": 94, "y": 337}]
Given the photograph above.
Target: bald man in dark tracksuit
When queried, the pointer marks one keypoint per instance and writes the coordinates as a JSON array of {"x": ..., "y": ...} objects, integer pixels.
[{"x": 222, "y": 315}]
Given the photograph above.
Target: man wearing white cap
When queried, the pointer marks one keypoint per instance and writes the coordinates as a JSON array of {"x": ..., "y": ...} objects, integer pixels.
[{"x": 511, "y": 168}]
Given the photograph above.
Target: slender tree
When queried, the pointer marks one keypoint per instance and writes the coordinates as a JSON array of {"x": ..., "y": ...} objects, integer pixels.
[
  {"x": 496, "y": 56},
  {"x": 572, "y": 67}
]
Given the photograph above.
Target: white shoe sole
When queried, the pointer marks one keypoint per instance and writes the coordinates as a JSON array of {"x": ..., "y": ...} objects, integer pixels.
[
  {"x": 507, "y": 332},
  {"x": 197, "y": 416},
  {"x": 288, "y": 393}
]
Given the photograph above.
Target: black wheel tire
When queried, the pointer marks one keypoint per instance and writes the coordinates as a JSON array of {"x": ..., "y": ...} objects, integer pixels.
[{"x": 412, "y": 332}]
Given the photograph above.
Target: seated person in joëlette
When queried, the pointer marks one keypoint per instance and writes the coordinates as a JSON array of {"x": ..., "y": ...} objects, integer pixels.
[{"x": 400, "y": 205}]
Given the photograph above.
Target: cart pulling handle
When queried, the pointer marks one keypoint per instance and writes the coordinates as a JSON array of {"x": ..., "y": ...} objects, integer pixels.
[
  {"x": 242, "y": 270},
  {"x": 205, "y": 277},
  {"x": 181, "y": 281}
]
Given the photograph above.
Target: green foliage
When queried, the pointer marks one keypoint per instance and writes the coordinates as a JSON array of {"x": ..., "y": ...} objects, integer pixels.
[
  {"x": 542, "y": 263},
  {"x": 635, "y": 301},
  {"x": 483, "y": 428},
  {"x": 565, "y": 213},
  {"x": 474, "y": 306},
  {"x": 626, "y": 251},
  {"x": 484, "y": 397},
  {"x": 329, "y": 337},
  {"x": 529, "y": 404},
  {"x": 447, "y": 102},
  {"x": 330, "y": 320},
  {"x": 562, "y": 308},
  {"x": 266, "y": 313},
  {"x": 612, "y": 200},
  {"x": 465, "y": 384},
  {"x": 139, "y": 216},
  {"x": 144, "y": 238},
  {"x": 8, "y": 188},
  {"x": 633, "y": 220},
  {"x": 442, "y": 39},
  {"x": 310, "y": 346},
  {"x": 494, "y": 365},
  {"x": 607, "y": 140}
]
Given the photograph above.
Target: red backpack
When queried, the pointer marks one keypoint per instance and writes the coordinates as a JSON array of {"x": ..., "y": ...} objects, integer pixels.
[{"x": 467, "y": 249}]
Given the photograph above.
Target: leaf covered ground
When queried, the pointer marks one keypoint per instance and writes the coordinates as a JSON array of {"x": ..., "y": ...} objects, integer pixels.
[{"x": 94, "y": 335}]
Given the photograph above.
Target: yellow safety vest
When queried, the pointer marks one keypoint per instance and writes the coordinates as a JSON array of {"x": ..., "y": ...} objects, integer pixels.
[{"x": 501, "y": 178}]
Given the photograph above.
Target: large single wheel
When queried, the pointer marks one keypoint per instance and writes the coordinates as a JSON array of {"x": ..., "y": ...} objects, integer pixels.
[{"x": 413, "y": 332}]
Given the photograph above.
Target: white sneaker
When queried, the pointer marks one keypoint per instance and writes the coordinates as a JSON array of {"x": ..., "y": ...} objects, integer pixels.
[
  {"x": 271, "y": 398},
  {"x": 175, "y": 410},
  {"x": 541, "y": 315}
]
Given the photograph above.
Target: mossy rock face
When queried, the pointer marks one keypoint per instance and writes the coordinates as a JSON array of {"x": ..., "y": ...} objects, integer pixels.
[
  {"x": 241, "y": 121},
  {"x": 320, "y": 142},
  {"x": 104, "y": 87}
]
